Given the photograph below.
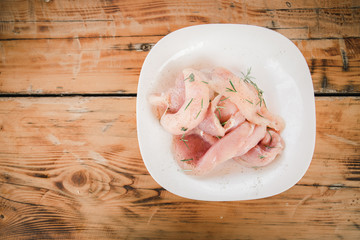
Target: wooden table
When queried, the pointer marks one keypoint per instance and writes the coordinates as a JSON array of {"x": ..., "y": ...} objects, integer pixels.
[{"x": 70, "y": 166}]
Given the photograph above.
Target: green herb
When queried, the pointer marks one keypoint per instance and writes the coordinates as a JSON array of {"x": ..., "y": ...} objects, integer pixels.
[
  {"x": 184, "y": 129},
  {"x": 249, "y": 101},
  {"x": 198, "y": 114},
  {"x": 191, "y": 77},
  {"x": 219, "y": 137},
  {"x": 224, "y": 99},
  {"x": 223, "y": 124},
  {"x": 205, "y": 82},
  {"x": 184, "y": 140},
  {"x": 269, "y": 134},
  {"x": 185, "y": 160},
  {"x": 260, "y": 115},
  {"x": 247, "y": 79},
  {"x": 268, "y": 146},
  {"x": 233, "y": 88},
  {"x": 202, "y": 105},
  {"x": 261, "y": 156},
  {"x": 188, "y": 104},
  {"x": 219, "y": 114}
]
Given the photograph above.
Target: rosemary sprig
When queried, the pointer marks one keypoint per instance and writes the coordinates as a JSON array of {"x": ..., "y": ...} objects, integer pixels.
[
  {"x": 219, "y": 137},
  {"x": 223, "y": 124},
  {"x": 261, "y": 156},
  {"x": 233, "y": 88},
  {"x": 184, "y": 129},
  {"x": 191, "y": 77},
  {"x": 185, "y": 160},
  {"x": 247, "y": 79},
  {"x": 205, "y": 82},
  {"x": 188, "y": 104}
]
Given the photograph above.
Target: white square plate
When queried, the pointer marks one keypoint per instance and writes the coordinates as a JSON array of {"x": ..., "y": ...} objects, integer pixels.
[{"x": 280, "y": 70}]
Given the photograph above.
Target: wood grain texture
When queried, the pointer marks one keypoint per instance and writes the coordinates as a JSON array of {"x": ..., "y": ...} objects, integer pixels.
[
  {"x": 70, "y": 168},
  {"x": 54, "y": 19},
  {"x": 80, "y": 47},
  {"x": 90, "y": 65},
  {"x": 112, "y": 65}
]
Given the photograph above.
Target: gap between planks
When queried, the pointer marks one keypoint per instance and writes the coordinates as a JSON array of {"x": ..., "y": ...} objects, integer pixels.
[
  {"x": 163, "y": 35},
  {"x": 21, "y": 95}
]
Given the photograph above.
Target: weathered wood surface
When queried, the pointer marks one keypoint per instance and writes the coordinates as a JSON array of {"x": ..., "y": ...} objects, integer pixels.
[
  {"x": 112, "y": 65},
  {"x": 99, "y": 46},
  {"x": 71, "y": 168},
  {"x": 127, "y": 18}
]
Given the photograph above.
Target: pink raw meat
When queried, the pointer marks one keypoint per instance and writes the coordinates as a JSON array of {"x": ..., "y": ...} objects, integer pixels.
[
  {"x": 204, "y": 157},
  {"x": 265, "y": 152},
  {"x": 244, "y": 96},
  {"x": 194, "y": 108}
]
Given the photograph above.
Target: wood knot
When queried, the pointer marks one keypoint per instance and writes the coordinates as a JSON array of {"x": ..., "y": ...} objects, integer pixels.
[
  {"x": 145, "y": 47},
  {"x": 79, "y": 178}
]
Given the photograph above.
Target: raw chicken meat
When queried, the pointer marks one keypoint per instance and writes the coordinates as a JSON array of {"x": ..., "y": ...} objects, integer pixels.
[
  {"x": 215, "y": 117},
  {"x": 264, "y": 152},
  {"x": 194, "y": 107}
]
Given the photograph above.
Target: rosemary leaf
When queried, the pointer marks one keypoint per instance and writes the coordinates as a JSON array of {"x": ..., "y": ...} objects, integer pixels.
[
  {"x": 191, "y": 77},
  {"x": 260, "y": 115},
  {"x": 267, "y": 146},
  {"x": 219, "y": 114},
  {"x": 229, "y": 90},
  {"x": 198, "y": 114},
  {"x": 270, "y": 135},
  {"x": 188, "y": 104},
  {"x": 249, "y": 101},
  {"x": 224, "y": 99},
  {"x": 185, "y": 160},
  {"x": 232, "y": 85}
]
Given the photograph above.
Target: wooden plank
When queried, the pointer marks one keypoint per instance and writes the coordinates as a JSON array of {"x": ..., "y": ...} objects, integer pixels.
[
  {"x": 112, "y": 65},
  {"x": 302, "y": 4},
  {"x": 32, "y": 10},
  {"x": 91, "y": 65},
  {"x": 70, "y": 168},
  {"x": 68, "y": 19}
]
